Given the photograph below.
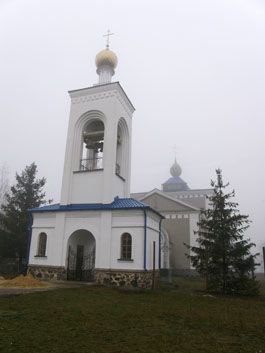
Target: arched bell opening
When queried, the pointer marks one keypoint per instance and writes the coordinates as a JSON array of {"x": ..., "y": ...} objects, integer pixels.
[
  {"x": 80, "y": 260},
  {"x": 93, "y": 145},
  {"x": 122, "y": 149}
]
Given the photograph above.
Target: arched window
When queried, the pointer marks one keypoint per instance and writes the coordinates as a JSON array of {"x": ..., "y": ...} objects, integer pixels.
[
  {"x": 93, "y": 142},
  {"x": 126, "y": 246},
  {"x": 42, "y": 245}
]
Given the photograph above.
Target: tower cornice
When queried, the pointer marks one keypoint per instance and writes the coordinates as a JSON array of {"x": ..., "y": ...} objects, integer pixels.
[{"x": 102, "y": 91}]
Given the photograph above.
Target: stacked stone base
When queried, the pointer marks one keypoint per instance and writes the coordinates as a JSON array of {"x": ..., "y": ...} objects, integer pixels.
[
  {"x": 131, "y": 279},
  {"x": 51, "y": 273},
  {"x": 114, "y": 278}
]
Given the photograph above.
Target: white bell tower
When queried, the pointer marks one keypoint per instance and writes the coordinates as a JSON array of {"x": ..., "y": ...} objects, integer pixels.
[{"x": 97, "y": 162}]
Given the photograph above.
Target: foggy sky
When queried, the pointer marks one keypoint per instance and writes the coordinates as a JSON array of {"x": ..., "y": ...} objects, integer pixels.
[{"x": 193, "y": 69}]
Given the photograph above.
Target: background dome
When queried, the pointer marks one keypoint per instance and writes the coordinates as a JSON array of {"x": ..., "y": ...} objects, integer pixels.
[
  {"x": 175, "y": 170},
  {"x": 106, "y": 57}
]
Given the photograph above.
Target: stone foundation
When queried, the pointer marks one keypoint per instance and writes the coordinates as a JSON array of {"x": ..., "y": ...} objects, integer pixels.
[
  {"x": 51, "y": 273},
  {"x": 114, "y": 278},
  {"x": 133, "y": 279}
]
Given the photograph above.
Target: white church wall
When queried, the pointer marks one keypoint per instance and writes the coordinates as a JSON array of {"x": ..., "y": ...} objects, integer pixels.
[
  {"x": 44, "y": 220},
  {"x": 131, "y": 222},
  {"x": 103, "y": 253},
  {"x": 53, "y": 225},
  {"x": 106, "y": 227},
  {"x": 152, "y": 236},
  {"x": 119, "y": 187},
  {"x": 79, "y": 194},
  {"x": 153, "y": 221},
  {"x": 57, "y": 251},
  {"x": 33, "y": 257},
  {"x": 128, "y": 218},
  {"x": 127, "y": 156},
  {"x": 109, "y": 106},
  {"x": 137, "y": 249},
  {"x": 74, "y": 221}
]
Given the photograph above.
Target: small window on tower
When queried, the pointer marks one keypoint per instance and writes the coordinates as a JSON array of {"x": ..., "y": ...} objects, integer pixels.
[{"x": 93, "y": 143}]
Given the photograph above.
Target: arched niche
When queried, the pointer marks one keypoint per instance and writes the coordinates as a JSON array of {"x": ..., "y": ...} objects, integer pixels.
[{"x": 122, "y": 148}]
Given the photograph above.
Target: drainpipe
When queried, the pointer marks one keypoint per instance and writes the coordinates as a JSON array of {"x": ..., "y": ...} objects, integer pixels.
[
  {"x": 145, "y": 239},
  {"x": 30, "y": 222},
  {"x": 159, "y": 245}
]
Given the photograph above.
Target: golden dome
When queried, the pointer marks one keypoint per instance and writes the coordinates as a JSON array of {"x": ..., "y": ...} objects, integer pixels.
[{"x": 106, "y": 57}]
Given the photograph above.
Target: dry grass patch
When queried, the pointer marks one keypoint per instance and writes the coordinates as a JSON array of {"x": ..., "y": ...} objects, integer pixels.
[{"x": 21, "y": 281}]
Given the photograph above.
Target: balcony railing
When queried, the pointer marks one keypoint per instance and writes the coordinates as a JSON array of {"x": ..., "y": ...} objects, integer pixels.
[{"x": 91, "y": 164}]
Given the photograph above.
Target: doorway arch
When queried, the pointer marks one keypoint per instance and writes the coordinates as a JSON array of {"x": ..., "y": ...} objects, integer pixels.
[{"x": 81, "y": 250}]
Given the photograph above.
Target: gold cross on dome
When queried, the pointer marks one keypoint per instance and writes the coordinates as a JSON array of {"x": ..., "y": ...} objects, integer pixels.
[{"x": 108, "y": 35}]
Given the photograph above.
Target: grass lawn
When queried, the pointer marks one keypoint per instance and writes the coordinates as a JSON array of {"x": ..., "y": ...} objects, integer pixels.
[{"x": 94, "y": 319}]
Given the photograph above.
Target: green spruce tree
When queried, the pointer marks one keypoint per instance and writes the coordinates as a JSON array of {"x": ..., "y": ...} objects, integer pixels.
[
  {"x": 26, "y": 193},
  {"x": 223, "y": 255}
]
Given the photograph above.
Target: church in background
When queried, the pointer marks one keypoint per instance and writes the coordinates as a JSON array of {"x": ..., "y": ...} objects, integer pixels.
[{"x": 180, "y": 207}]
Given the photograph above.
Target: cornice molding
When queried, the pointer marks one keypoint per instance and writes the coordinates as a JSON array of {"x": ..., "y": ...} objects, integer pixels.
[{"x": 102, "y": 92}]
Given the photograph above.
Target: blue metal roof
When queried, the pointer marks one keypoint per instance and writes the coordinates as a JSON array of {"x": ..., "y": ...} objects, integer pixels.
[
  {"x": 117, "y": 204},
  {"x": 127, "y": 203}
]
